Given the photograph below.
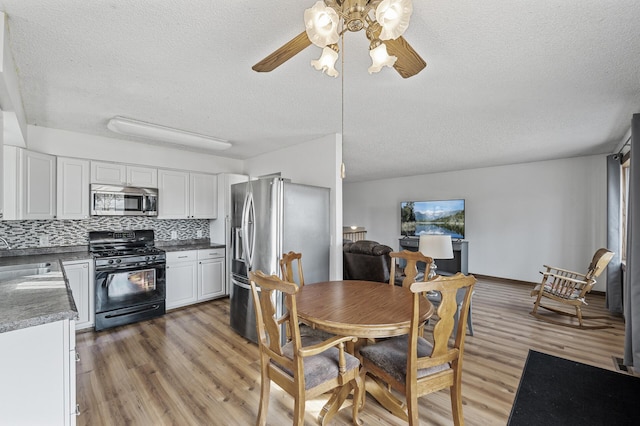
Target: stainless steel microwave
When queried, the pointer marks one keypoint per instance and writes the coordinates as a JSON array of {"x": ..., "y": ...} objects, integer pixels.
[{"x": 108, "y": 200}]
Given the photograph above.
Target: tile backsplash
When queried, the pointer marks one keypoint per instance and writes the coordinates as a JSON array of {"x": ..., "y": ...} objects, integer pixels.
[{"x": 23, "y": 234}]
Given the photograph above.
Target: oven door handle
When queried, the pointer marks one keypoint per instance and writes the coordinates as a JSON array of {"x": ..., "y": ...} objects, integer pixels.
[{"x": 134, "y": 268}]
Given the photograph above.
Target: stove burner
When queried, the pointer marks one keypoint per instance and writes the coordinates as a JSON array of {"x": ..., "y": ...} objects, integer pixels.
[{"x": 127, "y": 252}]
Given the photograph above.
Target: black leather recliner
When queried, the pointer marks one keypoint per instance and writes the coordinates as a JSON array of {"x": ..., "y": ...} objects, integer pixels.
[{"x": 366, "y": 260}]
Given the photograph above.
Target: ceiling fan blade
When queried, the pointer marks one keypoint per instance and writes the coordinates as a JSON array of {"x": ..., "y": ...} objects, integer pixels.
[
  {"x": 409, "y": 63},
  {"x": 283, "y": 54}
]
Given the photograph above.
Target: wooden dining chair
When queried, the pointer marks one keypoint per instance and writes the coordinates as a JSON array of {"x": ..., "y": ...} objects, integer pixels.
[
  {"x": 289, "y": 262},
  {"x": 414, "y": 366},
  {"x": 569, "y": 289},
  {"x": 306, "y": 366},
  {"x": 411, "y": 273}
]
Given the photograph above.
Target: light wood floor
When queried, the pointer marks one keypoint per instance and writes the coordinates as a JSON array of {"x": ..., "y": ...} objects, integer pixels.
[{"x": 190, "y": 368}]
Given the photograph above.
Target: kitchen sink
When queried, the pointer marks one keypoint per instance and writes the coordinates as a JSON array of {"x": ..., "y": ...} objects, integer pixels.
[{"x": 10, "y": 272}]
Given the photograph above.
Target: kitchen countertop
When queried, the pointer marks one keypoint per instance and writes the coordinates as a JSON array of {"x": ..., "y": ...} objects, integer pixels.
[
  {"x": 33, "y": 300},
  {"x": 43, "y": 256},
  {"x": 182, "y": 245}
]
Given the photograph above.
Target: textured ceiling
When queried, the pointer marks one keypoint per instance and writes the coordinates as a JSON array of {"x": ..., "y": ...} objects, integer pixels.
[{"x": 506, "y": 81}]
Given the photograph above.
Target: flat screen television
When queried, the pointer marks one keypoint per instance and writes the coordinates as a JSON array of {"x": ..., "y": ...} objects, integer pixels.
[{"x": 443, "y": 217}]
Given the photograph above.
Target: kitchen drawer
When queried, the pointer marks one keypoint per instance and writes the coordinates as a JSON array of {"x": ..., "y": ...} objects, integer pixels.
[
  {"x": 211, "y": 253},
  {"x": 182, "y": 256}
]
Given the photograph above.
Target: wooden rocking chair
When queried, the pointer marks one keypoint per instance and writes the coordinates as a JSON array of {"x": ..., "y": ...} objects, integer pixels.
[{"x": 570, "y": 288}]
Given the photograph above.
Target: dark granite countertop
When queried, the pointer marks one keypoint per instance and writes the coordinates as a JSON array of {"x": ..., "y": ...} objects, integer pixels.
[
  {"x": 33, "y": 300},
  {"x": 44, "y": 255},
  {"x": 182, "y": 245}
]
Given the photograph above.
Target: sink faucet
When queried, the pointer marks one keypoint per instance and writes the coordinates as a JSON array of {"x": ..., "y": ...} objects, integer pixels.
[{"x": 6, "y": 243}]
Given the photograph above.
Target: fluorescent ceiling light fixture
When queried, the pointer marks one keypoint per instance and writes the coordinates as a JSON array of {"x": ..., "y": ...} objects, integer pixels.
[{"x": 129, "y": 127}]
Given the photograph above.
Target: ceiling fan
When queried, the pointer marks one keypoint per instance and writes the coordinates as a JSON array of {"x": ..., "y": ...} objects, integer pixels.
[{"x": 384, "y": 22}]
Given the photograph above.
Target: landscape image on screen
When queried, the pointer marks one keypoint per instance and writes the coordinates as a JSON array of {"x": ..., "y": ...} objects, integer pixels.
[{"x": 432, "y": 217}]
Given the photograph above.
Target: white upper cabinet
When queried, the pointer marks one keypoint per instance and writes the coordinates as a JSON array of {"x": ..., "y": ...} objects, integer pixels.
[
  {"x": 173, "y": 194},
  {"x": 73, "y": 188},
  {"x": 108, "y": 173},
  {"x": 183, "y": 195},
  {"x": 203, "y": 192},
  {"x": 122, "y": 174},
  {"x": 29, "y": 184},
  {"x": 143, "y": 177},
  {"x": 1, "y": 177},
  {"x": 39, "y": 185}
]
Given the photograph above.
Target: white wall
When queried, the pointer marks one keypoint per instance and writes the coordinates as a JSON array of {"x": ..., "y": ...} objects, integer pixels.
[
  {"x": 80, "y": 145},
  {"x": 518, "y": 217},
  {"x": 316, "y": 163},
  {"x": 15, "y": 121}
]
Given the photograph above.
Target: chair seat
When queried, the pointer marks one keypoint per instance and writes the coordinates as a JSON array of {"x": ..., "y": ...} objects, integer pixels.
[
  {"x": 318, "y": 368},
  {"x": 391, "y": 356},
  {"x": 549, "y": 289},
  {"x": 308, "y": 331}
]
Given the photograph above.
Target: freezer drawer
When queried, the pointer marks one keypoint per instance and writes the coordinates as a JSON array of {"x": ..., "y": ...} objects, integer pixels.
[{"x": 243, "y": 315}]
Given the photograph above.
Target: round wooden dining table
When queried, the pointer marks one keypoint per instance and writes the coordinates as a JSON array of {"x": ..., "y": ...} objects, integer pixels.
[{"x": 363, "y": 309}]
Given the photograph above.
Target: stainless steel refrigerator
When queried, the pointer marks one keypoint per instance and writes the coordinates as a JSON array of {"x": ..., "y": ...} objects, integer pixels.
[{"x": 269, "y": 217}]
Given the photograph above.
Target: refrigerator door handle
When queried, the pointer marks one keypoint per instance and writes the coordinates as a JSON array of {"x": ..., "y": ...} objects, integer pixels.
[
  {"x": 248, "y": 214},
  {"x": 241, "y": 284}
]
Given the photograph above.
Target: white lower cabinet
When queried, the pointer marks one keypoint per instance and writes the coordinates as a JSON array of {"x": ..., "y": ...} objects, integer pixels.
[
  {"x": 194, "y": 276},
  {"x": 81, "y": 279},
  {"x": 38, "y": 370},
  {"x": 211, "y": 273},
  {"x": 181, "y": 278}
]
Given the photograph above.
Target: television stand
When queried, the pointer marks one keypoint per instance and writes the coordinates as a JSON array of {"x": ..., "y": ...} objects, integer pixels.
[{"x": 459, "y": 263}]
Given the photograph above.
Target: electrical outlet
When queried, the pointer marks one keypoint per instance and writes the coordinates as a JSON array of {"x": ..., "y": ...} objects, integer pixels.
[
  {"x": 199, "y": 233},
  {"x": 44, "y": 241},
  {"x": 174, "y": 235}
]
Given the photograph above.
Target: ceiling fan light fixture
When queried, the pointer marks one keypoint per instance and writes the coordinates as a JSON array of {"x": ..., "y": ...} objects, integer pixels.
[
  {"x": 380, "y": 58},
  {"x": 156, "y": 132},
  {"x": 327, "y": 61},
  {"x": 393, "y": 16},
  {"x": 321, "y": 23},
  {"x": 327, "y": 22}
]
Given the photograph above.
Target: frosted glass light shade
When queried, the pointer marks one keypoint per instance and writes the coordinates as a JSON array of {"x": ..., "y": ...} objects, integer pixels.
[
  {"x": 156, "y": 132},
  {"x": 327, "y": 62},
  {"x": 380, "y": 58},
  {"x": 436, "y": 246},
  {"x": 321, "y": 23},
  {"x": 393, "y": 16}
]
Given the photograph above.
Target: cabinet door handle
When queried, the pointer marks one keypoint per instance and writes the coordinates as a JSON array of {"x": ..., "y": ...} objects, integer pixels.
[
  {"x": 77, "y": 357},
  {"x": 77, "y": 412},
  {"x": 182, "y": 257}
]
